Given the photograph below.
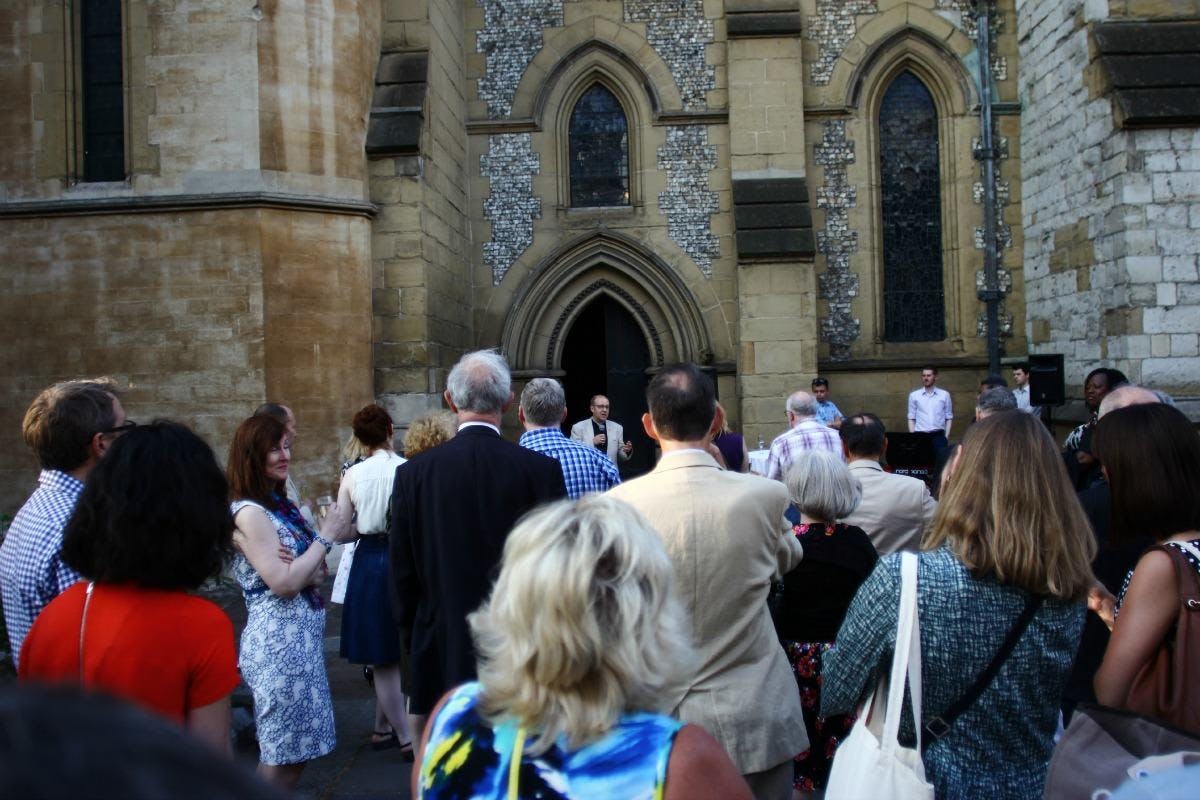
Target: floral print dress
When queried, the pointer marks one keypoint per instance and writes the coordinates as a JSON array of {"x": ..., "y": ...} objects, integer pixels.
[{"x": 282, "y": 659}]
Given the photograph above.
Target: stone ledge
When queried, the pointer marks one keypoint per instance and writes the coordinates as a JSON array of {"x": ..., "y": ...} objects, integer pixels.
[
  {"x": 1151, "y": 70},
  {"x": 763, "y": 24},
  {"x": 157, "y": 204},
  {"x": 396, "y": 119}
]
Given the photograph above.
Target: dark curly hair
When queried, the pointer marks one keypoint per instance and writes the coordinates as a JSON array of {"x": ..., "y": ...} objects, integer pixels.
[
  {"x": 247, "y": 463},
  {"x": 154, "y": 512},
  {"x": 372, "y": 425}
]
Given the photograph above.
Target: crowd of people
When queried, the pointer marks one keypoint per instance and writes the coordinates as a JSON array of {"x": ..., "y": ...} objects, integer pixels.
[{"x": 535, "y": 627}]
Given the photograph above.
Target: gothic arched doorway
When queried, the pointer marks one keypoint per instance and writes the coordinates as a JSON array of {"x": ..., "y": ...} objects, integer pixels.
[{"x": 605, "y": 352}]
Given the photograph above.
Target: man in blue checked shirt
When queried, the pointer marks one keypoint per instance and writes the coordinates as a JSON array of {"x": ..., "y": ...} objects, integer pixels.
[
  {"x": 543, "y": 408},
  {"x": 70, "y": 427}
]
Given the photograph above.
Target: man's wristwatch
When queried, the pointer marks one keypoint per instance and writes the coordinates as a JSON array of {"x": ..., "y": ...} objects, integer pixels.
[{"x": 319, "y": 539}]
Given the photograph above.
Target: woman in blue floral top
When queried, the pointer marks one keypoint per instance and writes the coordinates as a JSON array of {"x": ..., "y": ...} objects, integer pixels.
[
  {"x": 577, "y": 643},
  {"x": 1008, "y": 527}
]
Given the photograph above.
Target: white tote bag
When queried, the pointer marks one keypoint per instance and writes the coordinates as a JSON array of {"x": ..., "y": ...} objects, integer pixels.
[
  {"x": 871, "y": 767},
  {"x": 342, "y": 579}
]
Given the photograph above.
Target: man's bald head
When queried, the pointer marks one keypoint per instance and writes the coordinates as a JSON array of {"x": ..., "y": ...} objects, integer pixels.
[{"x": 1127, "y": 395}]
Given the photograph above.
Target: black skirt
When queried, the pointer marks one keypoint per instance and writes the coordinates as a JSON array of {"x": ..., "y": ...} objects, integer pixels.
[{"x": 369, "y": 632}]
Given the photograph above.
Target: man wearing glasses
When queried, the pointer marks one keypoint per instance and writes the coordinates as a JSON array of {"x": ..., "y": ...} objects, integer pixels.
[
  {"x": 70, "y": 427},
  {"x": 601, "y": 432}
]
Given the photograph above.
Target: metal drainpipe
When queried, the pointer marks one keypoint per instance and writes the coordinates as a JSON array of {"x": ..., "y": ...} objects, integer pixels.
[{"x": 986, "y": 154}]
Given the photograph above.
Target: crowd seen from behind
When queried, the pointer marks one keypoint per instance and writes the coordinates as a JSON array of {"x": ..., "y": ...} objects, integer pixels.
[{"x": 534, "y": 626}]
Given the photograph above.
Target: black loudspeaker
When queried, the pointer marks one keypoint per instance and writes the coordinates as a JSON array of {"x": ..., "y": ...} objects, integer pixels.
[{"x": 1046, "y": 383}]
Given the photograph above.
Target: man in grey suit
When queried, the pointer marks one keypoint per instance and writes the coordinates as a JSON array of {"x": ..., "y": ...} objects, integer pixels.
[
  {"x": 726, "y": 536},
  {"x": 601, "y": 432},
  {"x": 895, "y": 509}
]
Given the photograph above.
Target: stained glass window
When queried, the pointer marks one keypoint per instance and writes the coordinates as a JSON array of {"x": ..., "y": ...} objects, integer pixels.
[
  {"x": 914, "y": 306},
  {"x": 103, "y": 97},
  {"x": 599, "y": 136}
]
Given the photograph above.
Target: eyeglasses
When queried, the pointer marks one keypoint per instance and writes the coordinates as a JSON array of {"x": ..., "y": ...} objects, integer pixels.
[
  {"x": 600, "y": 408},
  {"x": 124, "y": 427}
]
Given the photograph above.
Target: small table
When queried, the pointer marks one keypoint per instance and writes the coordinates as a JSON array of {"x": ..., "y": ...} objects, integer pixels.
[{"x": 758, "y": 461}]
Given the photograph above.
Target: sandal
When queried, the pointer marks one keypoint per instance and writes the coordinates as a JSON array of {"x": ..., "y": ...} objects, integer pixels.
[
  {"x": 406, "y": 751},
  {"x": 382, "y": 740}
]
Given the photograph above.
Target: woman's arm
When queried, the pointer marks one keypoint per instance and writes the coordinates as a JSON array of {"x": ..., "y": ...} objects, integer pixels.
[
  {"x": 210, "y": 724},
  {"x": 868, "y": 632},
  {"x": 745, "y": 456},
  {"x": 700, "y": 768},
  {"x": 255, "y": 536},
  {"x": 1150, "y": 608}
]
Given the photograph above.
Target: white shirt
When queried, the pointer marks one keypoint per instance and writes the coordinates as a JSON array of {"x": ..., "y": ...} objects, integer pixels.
[
  {"x": 1021, "y": 393},
  {"x": 930, "y": 410},
  {"x": 372, "y": 490}
]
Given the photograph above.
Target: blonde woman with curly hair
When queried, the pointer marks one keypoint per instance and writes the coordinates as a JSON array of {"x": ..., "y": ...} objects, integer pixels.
[
  {"x": 1009, "y": 547},
  {"x": 430, "y": 430},
  {"x": 580, "y": 636}
]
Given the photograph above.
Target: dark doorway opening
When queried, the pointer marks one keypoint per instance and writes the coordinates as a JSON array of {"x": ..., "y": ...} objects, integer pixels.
[{"x": 605, "y": 353}]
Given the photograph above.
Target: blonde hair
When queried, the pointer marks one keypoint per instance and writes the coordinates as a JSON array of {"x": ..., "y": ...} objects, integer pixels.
[
  {"x": 354, "y": 449},
  {"x": 1009, "y": 511},
  {"x": 582, "y": 625},
  {"x": 430, "y": 430}
]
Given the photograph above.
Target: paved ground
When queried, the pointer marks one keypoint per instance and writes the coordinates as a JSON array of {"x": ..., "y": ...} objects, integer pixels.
[{"x": 353, "y": 771}]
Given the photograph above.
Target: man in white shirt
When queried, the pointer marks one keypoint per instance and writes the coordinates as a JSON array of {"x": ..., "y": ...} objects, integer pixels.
[
  {"x": 930, "y": 409},
  {"x": 1020, "y": 373}
]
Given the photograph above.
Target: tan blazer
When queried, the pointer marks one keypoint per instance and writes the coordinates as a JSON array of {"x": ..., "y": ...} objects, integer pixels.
[
  {"x": 895, "y": 509},
  {"x": 727, "y": 537},
  {"x": 582, "y": 432}
]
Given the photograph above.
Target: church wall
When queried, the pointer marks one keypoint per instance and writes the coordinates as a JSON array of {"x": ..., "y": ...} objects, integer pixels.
[
  {"x": 525, "y": 69},
  {"x": 851, "y": 52},
  {"x": 233, "y": 265},
  {"x": 421, "y": 275},
  {"x": 1111, "y": 252}
]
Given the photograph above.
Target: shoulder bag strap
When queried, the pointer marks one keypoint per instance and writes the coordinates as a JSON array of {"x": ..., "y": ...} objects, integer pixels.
[
  {"x": 514, "y": 766},
  {"x": 940, "y": 725},
  {"x": 903, "y": 656}
]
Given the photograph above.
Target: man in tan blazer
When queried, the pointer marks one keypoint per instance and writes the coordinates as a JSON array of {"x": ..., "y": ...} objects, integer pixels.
[
  {"x": 727, "y": 538},
  {"x": 895, "y": 510},
  {"x": 602, "y": 433}
]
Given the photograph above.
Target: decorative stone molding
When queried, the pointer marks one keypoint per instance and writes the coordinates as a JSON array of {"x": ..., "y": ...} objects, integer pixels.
[
  {"x": 510, "y": 37},
  {"x": 687, "y": 202},
  {"x": 838, "y": 284},
  {"x": 966, "y": 10},
  {"x": 679, "y": 33},
  {"x": 510, "y": 163},
  {"x": 833, "y": 26},
  {"x": 630, "y": 303},
  {"x": 1004, "y": 238}
]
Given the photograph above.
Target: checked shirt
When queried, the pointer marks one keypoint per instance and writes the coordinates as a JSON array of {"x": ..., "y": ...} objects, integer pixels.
[
  {"x": 806, "y": 435},
  {"x": 585, "y": 469},
  {"x": 31, "y": 569}
]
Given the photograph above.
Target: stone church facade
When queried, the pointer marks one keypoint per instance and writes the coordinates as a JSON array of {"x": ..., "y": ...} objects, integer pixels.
[{"x": 327, "y": 202}]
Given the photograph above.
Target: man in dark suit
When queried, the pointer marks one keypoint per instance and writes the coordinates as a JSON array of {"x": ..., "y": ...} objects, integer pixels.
[{"x": 452, "y": 509}]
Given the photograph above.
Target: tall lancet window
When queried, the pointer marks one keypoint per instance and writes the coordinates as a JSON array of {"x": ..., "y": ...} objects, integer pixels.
[
  {"x": 914, "y": 308},
  {"x": 103, "y": 91},
  {"x": 599, "y": 136}
]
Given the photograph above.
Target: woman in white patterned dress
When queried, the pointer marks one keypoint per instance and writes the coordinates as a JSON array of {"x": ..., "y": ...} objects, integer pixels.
[{"x": 280, "y": 562}]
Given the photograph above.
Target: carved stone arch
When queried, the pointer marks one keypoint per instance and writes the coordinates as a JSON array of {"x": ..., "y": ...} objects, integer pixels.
[
  {"x": 587, "y": 44},
  {"x": 558, "y": 288},
  {"x": 593, "y": 61},
  {"x": 916, "y": 51}
]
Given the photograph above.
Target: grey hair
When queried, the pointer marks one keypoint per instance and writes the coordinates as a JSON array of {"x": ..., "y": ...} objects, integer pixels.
[
  {"x": 1128, "y": 394},
  {"x": 543, "y": 401},
  {"x": 480, "y": 382},
  {"x": 822, "y": 487},
  {"x": 802, "y": 404},
  {"x": 998, "y": 398},
  {"x": 583, "y": 624}
]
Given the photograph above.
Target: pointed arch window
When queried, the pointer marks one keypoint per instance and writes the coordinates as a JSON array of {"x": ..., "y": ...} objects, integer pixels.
[
  {"x": 599, "y": 150},
  {"x": 914, "y": 308}
]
